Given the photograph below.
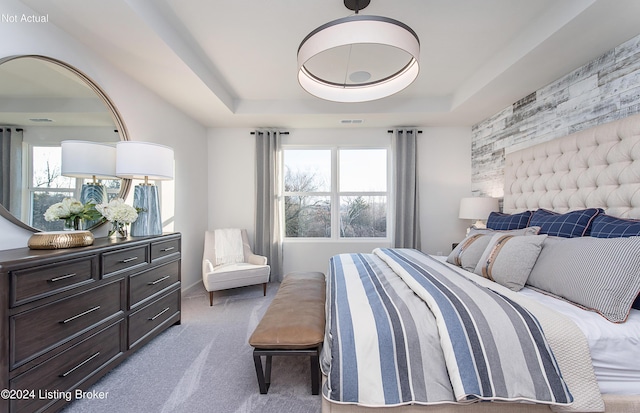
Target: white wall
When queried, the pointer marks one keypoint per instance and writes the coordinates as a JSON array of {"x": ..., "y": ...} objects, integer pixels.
[
  {"x": 147, "y": 117},
  {"x": 445, "y": 177}
]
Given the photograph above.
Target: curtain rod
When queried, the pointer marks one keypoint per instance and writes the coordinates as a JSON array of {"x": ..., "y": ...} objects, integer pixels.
[
  {"x": 389, "y": 131},
  {"x": 409, "y": 131}
]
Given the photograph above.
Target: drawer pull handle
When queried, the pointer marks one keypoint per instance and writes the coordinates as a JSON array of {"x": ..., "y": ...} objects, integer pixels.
[
  {"x": 126, "y": 260},
  {"x": 80, "y": 315},
  {"x": 168, "y": 249},
  {"x": 79, "y": 365},
  {"x": 159, "y": 314},
  {"x": 159, "y": 280},
  {"x": 62, "y": 277}
]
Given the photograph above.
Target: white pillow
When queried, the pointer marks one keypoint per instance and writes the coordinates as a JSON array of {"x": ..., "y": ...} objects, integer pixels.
[{"x": 600, "y": 274}]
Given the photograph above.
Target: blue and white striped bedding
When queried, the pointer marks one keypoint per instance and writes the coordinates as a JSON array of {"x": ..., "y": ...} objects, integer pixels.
[{"x": 403, "y": 328}]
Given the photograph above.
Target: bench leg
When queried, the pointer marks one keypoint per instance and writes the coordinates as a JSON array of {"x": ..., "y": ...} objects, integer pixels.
[
  {"x": 264, "y": 373},
  {"x": 315, "y": 373},
  {"x": 264, "y": 376},
  {"x": 264, "y": 289}
]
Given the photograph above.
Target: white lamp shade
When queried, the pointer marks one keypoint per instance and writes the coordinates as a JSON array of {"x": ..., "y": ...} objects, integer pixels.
[
  {"x": 85, "y": 159},
  {"x": 477, "y": 207},
  {"x": 139, "y": 160},
  {"x": 352, "y": 31}
]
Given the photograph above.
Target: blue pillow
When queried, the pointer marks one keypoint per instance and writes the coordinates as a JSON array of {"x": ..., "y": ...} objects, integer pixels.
[
  {"x": 606, "y": 226},
  {"x": 506, "y": 222},
  {"x": 569, "y": 225}
]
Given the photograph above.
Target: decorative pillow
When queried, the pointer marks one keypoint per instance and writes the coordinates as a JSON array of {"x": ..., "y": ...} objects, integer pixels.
[
  {"x": 504, "y": 222},
  {"x": 468, "y": 251},
  {"x": 569, "y": 225},
  {"x": 600, "y": 274},
  {"x": 606, "y": 226},
  {"x": 508, "y": 259}
]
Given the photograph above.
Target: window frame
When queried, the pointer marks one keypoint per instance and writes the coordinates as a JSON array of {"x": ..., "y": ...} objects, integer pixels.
[
  {"x": 29, "y": 193},
  {"x": 335, "y": 194}
]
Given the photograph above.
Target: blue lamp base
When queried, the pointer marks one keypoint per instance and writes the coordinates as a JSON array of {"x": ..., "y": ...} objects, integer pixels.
[
  {"x": 145, "y": 198},
  {"x": 96, "y": 194}
]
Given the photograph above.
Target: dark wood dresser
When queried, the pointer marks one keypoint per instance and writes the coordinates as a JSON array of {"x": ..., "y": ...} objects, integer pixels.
[{"x": 68, "y": 316}]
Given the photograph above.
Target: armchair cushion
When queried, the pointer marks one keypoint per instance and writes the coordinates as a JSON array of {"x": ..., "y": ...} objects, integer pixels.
[{"x": 254, "y": 269}]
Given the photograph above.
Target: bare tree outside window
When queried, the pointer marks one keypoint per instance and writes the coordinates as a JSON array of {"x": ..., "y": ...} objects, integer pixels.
[
  {"x": 48, "y": 186},
  {"x": 360, "y": 196},
  {"x": 307, "y": 205}
]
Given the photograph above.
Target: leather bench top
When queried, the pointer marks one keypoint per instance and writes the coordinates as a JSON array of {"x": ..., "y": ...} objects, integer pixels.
[{"x": 295, "y": 318}]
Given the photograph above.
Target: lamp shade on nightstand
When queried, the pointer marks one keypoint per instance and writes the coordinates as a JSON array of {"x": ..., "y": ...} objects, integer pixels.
[
  {"x": 477, "y": 208},
  {"x": 148, "y": 161}
]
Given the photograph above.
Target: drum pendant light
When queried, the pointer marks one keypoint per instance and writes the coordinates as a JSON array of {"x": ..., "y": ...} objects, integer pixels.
[{"x": 358, "y": 58}]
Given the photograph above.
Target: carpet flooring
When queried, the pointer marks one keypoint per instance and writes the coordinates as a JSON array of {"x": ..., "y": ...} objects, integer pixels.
[{"x": 205, "y": 365}]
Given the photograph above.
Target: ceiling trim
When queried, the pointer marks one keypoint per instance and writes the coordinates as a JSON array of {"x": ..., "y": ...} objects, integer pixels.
[{"x": 168, "y": 27}]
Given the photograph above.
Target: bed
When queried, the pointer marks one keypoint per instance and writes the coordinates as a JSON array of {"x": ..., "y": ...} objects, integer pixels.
[{"x": 534, "y": 314}]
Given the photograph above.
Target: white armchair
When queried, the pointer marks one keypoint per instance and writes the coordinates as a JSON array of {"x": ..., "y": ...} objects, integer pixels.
[{"x": 254, "y": 269}]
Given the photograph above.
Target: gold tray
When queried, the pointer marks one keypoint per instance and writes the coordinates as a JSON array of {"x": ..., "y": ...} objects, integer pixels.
[{"x": 52, "y": 240}]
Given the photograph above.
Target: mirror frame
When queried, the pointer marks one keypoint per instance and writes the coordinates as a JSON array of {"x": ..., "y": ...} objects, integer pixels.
[{"x": 115, "y": 115}]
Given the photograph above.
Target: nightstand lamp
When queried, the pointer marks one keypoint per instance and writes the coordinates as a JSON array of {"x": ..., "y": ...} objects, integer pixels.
[
  {"x": 148, "y": 161},
  {"x": 477, "y": 209}
]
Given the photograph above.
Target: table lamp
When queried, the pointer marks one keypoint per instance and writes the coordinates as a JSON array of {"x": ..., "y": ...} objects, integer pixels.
[
  {"x": 148, "y": 161},
  {"x": 477, "y": 208},
  {"x": 89, "y": 160}
]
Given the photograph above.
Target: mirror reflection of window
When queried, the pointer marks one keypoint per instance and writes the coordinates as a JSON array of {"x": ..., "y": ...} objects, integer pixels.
[{"x": 49, "y": 186}]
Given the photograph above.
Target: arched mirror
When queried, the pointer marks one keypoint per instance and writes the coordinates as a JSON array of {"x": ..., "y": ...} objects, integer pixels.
[{"x": 43, "y": 102}]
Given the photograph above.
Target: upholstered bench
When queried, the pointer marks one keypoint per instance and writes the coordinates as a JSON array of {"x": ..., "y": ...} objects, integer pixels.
[{"x": 293, "y": 325}]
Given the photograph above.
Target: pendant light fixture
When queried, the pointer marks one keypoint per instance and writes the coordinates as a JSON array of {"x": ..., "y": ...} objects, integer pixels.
[{"x": 358, "y": 58}]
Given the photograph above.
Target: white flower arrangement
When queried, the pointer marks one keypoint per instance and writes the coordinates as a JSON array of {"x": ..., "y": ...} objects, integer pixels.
[
  {"x": 72, "y": 211},
  {"x": 117, "y": 211},
  {"x": 63, "y": 210}
]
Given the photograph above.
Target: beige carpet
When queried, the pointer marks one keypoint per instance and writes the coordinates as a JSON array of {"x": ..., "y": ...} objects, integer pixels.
[{"x": 206, "y": 365}]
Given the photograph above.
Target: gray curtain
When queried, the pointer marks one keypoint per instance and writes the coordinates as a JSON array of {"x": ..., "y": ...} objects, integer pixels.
[
  {"x": 407, "y": 211},
  {"x": 268, "y": 242},
  {"x": 11, "y": 169}
]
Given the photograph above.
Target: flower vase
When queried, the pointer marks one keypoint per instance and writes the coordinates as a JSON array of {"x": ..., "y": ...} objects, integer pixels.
[
  {"x": 72, "y": 224},
  {"x": 118, "y": 229}
]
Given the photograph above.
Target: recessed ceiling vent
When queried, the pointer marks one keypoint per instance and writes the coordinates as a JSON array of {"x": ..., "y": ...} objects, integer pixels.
[
  {"x": 351, "y": 121},
  {"x": 41, "y": 120}
]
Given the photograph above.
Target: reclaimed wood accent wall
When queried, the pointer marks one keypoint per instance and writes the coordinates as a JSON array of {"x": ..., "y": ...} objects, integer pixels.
[{"x": 603, "y": 90}]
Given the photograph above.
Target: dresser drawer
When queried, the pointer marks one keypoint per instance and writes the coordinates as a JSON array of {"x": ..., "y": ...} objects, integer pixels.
[
  {"x": 39, "y": 282},
  {"x": 124, "y": 260},
  {"x": 36, "y": 331},
  {"x": 163, "y": 249},
  {"x": 68, "y": 369},
  {"x": 148, "y": 318},
  {"x": 144, "y": 284}
]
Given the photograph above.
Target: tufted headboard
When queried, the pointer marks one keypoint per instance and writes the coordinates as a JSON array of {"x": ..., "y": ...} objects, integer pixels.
[{"x": 594, "y": 168}]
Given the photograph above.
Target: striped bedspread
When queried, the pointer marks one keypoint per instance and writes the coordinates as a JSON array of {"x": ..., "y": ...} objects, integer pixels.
[{"x": 403, "y": 328}]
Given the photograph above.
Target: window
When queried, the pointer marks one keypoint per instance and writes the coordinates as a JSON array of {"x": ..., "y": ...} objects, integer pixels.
[
  {"x": 335, "y": 192},
  {"x": 48, "y": 186}
]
